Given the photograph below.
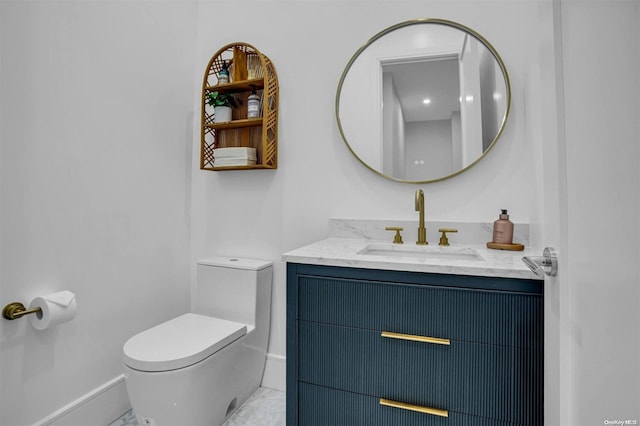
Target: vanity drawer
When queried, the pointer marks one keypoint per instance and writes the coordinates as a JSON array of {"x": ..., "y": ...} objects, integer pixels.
[
  {"x": 321, "y": 406},
  {"x": 466, "y": 314},
  {"x": 498, "y": 382}
]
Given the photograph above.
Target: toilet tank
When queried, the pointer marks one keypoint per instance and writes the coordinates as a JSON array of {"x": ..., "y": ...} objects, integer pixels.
[{"x": 234, "y": 289}]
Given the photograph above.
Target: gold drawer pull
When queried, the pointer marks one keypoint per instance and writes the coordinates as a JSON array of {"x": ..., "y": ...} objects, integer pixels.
[
  {"x": 411, "y": 407},
  {"x": 424, "y": 339}
]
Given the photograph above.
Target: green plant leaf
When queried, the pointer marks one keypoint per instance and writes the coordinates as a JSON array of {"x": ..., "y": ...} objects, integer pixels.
[{"x": 221, "y": 99}]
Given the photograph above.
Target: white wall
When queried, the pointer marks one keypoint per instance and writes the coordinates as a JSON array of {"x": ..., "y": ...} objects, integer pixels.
[
  {"x": 471, "y": 101},
  {"x": 544, "y": 97},
  {"x": 587, "y": 161},
  {"x": 494, "y": 97},
  {"x": 265, "y": 213},
  {"x": 96, "y": 115},
  {"x": 429, "y": 143},
  {"x": 602, "y": 88},
  {"x": 393, "y": 130}
]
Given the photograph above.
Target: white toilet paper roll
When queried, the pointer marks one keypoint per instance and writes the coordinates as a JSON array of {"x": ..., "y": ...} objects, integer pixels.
[{"x": 56, "y": 308}]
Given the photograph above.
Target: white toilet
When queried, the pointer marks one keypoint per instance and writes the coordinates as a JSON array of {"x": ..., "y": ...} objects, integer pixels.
[{"x": 196, "y": 369}]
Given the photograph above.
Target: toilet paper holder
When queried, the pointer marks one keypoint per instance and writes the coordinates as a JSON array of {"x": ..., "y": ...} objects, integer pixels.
[{"x": 15, "y": 310}]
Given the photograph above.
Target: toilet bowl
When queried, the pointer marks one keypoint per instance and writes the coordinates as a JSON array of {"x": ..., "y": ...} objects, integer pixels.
[{"x": 198, "y": 368}]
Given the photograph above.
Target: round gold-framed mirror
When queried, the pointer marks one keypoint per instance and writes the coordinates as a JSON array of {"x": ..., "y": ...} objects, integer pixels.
[{"x": 423, "y": 100}]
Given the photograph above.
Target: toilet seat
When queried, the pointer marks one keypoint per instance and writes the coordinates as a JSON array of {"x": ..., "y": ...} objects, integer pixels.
[{"x": 180, "y": 342}]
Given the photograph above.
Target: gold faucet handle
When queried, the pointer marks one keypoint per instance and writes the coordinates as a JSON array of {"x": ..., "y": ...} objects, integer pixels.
[
  {"x": 397, "y": 239},
  {"x": 444, "y": 241}
]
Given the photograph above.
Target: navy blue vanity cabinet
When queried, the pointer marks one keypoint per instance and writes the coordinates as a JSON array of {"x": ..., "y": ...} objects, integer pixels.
[{"x": 374, "y": 347}]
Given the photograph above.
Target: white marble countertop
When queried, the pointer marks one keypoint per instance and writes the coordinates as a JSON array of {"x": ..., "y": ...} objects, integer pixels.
[{"x": 345, "y": 252}]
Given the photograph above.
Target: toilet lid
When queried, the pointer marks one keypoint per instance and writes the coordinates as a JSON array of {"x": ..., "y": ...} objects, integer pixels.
[{"x": 180, "y": 342}]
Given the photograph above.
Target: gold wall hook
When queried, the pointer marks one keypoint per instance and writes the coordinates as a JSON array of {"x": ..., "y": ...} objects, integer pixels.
[{"x": 15, "y": 310}]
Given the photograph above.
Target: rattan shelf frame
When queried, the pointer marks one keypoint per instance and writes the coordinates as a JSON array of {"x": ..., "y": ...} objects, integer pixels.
[{"x": 250, "y": 70}]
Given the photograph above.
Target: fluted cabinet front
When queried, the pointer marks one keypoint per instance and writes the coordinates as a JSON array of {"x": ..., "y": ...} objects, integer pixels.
[{"x": 370, "y": 347}]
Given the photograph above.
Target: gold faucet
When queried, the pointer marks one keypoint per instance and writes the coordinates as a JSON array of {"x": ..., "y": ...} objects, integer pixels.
[{"x": 422, "y": 231}]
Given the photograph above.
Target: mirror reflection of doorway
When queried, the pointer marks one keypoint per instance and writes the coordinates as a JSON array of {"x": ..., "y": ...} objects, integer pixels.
[
  {"x": 421, "y": 113},
  {"x": 440, "y": 112}
]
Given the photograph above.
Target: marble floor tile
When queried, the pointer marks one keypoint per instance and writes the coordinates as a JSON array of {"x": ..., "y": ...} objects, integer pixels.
[
  {"x": 266, "y": 407},
  {"x": 127, "y": 419}
]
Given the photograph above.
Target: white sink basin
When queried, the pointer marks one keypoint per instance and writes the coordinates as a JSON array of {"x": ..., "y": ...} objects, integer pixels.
[{"x": 421, "y": 252}]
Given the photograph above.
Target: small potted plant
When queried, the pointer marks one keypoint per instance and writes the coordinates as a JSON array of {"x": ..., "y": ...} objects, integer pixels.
[{"x": 222, "y": 103}]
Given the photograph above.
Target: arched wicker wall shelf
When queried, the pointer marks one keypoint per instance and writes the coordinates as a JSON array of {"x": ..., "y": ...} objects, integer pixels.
[{"x": 249, "y": 70}]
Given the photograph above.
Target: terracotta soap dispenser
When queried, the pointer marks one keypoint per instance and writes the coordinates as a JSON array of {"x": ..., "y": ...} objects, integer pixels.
[
  {"x": 503, "y": 234},
  {"x": 503, "y": 229}
]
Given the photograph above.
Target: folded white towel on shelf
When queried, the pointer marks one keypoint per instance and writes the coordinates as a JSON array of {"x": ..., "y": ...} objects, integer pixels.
[
  {"x": 235, "y": 152},
  {"x": 234, "y": 162}
]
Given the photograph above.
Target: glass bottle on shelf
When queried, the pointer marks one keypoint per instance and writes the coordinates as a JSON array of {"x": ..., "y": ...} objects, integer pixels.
[
  {"x": 223, "y": 75},
  {"x": 253, "y": 105}
]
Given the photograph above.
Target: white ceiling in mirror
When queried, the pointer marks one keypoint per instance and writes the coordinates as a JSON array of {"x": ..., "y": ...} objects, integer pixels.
[
  {"x": 435, "y": 81},
  {"x": 423, "y": 100}
]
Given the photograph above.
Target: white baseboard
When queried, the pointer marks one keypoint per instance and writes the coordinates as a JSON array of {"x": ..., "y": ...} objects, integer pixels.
[
  {"x": 275, "y": 372},
  {"x": 99, "y": 407}
]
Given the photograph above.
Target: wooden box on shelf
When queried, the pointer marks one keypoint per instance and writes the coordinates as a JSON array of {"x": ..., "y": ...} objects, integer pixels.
[{"x": 249, "y": 71}]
